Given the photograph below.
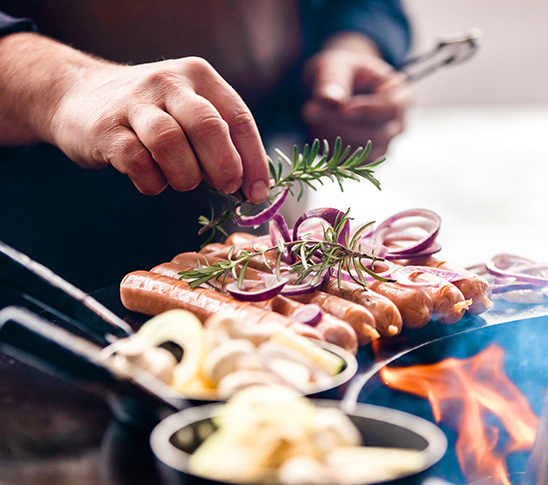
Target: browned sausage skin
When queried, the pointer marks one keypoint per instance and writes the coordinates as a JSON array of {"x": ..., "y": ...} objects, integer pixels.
[
  {"x": 152, "y": 293},
  {"x": 472, "y": 286},
  {"x": 359, "y": 318},
  {"x": 414, "y": 304},
  {"x": 388, "y": 319},
  {"x": 449, "y": 304},
  {"x": 334, "y": 330}
]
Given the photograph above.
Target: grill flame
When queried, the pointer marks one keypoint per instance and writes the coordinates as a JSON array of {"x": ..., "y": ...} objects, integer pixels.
[{"x": 489, "y": 405}]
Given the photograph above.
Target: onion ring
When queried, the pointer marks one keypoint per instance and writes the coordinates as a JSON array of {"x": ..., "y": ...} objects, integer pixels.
[
  {"x": 310, "y": 314},
  {"x": 306, "y": 286},
  {"x": 251, "y": 291},
  {"x": 330, "y": 215},
  {"x": 521, "y": 269},
  {"x": 263, "y": 216},
  {"x": 398, "y": 229},
  {"x": 277, "y": 228}
]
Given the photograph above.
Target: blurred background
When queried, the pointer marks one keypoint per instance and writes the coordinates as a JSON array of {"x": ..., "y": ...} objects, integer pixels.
[{"x": 475, "y": 145}]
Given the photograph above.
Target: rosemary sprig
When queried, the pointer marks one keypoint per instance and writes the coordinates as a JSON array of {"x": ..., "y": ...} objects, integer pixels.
[
  {"x": 301, "y": 170},
  {"x": 313, "y": 258}
]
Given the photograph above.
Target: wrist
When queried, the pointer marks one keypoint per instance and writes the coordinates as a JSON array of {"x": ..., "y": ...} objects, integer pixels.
[{"x": 37, "y": 74}]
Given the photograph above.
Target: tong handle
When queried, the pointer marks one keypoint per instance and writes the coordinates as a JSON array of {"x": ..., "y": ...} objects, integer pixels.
[
  {"x": 38, "y": 342},
  {"x": 50, "y": 291},
  {"x": 452, "y": 49}
]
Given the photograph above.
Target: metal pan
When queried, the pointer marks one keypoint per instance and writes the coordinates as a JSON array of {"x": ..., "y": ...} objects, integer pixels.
[
  {"x": 75, "y": 351},
  {"x": 174, "y": 439}
]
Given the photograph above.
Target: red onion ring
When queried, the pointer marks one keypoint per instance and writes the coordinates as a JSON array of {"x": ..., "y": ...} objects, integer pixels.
[
  {"x": 251, "y": 291},
  {"x": 398, "y": 228},
  {"x": 306, "y": 286},
  {"x": 310, "y": 314},
  {"x": 263, "y": 216},
  {"x": 406, "y": 271},
  {"x": 330, "y": 215},
  {"x": 521, "y": 269},
  {"x": 277, "y": 228}
]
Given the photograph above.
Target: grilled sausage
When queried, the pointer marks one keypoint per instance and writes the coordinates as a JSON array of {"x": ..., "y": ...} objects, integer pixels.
[
  {"x": 472, "y": 286},
  {"x": 333, "y": 329},
  {"x": 388, "y": 319},
  {"x": 449, "y": 304},
  {"x": 414, "y": 304},
  {"x": 359, "y": 318},
  {"x": 152, "y": 293}
]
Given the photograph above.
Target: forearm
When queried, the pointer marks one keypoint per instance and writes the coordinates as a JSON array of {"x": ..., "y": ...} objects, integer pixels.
[{"x": 36, "y": 74}]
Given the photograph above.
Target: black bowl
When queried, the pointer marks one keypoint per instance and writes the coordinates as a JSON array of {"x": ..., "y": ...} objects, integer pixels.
[{"x": 177, "y": 437}]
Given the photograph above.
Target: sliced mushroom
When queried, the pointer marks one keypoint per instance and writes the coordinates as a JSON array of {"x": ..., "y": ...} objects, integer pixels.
[{"x": 225, "y": 358}]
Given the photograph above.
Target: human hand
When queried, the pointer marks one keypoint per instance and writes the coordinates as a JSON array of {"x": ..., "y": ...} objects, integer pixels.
[
  {"x": 173, "y": 122},
  {"x": 355, "y": 95}
]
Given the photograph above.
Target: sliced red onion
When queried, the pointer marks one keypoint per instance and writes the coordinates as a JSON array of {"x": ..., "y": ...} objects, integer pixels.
[
  {"x": 405, "y": 271},
  {"x": 515, "y": 286},
  {"x": 310, "y": 314},
  {"x": 310, "y": 283},
  {"x": 265, "y": 215},
  {"x": 278, "y": 230},
  {"x": 330, "y": 215},
  {"x": 379, "y": 250},
  {"x": 253, "y": 290},
  {"x": 398, "y": 229},
  {"x": 522, "y": 269}
]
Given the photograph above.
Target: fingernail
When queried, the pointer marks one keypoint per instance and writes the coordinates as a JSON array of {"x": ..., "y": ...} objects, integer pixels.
[
  {"x": 333, "y": 92},
  {"x": 234, "y": 187},
  {"x": 258, "y": 191}
]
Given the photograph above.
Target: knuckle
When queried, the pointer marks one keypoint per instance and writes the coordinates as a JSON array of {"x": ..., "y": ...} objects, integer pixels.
[
  {"x": 150, "y": 188},
  {"x": 164, "y": 139},
  {"x": 186, "y": 182},
  {"x": 242, "y": 123},
  {"x": 210, "y": 127},
  {"x": 198, "y": 66}
]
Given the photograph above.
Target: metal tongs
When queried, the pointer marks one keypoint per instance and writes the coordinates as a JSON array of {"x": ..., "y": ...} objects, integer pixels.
[{"x": 451, "y": 49}]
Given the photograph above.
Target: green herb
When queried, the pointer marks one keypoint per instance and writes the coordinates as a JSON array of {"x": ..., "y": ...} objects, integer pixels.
[
  {"x": 313, "y": 258},
  {"x": 301, "y": 170}
]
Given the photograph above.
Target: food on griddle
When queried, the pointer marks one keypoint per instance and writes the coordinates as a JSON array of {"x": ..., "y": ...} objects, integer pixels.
[
  {"x": 151, "y": 293},
  {"x": 272, "y": 435},
  {"x": 515, "y": 278},
  {"x": 472, "y": 285},
  {"x": 225, "y": 354},
  {"x": 334, "y": 328},
  {"x": 329, "y": 284}
]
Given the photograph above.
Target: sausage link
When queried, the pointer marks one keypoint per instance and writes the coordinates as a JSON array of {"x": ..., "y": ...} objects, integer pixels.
[
  {"x": 388, "y": 319},
  {"x": 334, "y": 330},
  {"x": 449, "y": 304},
  {"x": 414, "y": 304},
  {"x": 472, "y": 286},
  {"x": 358, "y": 317},
  {"x": 152, "y": 293}
]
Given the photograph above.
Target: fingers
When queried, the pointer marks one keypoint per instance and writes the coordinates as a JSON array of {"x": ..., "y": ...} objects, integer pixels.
[
  {"x": 168, "y": 146},
  {"x": 174, "y": 122},
  {"x": 240, "y": 131},
  {"x": 336, "y": 75},
  {"x": 123, "y": 150}
]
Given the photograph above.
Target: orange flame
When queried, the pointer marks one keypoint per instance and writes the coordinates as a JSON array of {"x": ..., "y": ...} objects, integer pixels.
[{"x": 482, "y": 390}]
